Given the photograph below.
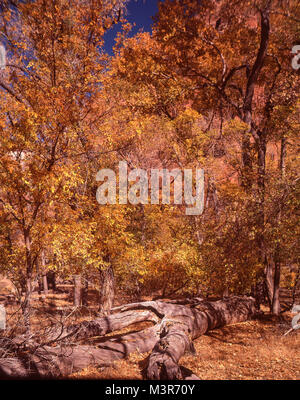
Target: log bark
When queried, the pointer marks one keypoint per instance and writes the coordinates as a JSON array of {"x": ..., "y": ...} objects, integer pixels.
[
  {"x": 176, "y": 325},
  {"x": 185, "y": 325}
]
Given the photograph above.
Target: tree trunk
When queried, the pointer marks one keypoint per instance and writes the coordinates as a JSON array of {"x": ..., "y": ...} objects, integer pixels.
[
  {"x": 276, "y": 285},
  {"x": 269, "y": 281},
  {"x": 176, "y": 324},
  {"x": 44, "y": 273},
  {"x": 268, "y": 264},
  {"x": 276, "y": 291},
  {"x": 26, "y": 305},
  {"x": 297, "y": 280},
  {"x": 107, "y": 290},
  {"x": 253, "y": 74},
  {"x": 282, "y": 157},
  {"x": 259, "y": 290},
  {"x": 246, "y": 160},
  {"x": 51, "y": 278},
  {"x": 77, "y": 290},
  {"x": 45, "y": 284},
  {"x": 39, "y": 277},
  {"x": 85, "y": 290}
]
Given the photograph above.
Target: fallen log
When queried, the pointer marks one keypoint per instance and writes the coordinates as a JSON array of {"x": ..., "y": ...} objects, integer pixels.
[
  {"x": 175, "y": 327},
  {"x": 180, "y": 328},
  {"x": 52, "y": 362},
  {"x": 100, "y": 326}
]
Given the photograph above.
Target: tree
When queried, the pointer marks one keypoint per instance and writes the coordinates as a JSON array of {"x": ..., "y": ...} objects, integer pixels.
[
  {"x": 51, "y": 83},
  {"x": 231, "y": 64}
]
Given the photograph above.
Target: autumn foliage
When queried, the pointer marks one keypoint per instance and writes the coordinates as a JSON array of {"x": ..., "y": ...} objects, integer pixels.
[{"x": 211, "y": 87}]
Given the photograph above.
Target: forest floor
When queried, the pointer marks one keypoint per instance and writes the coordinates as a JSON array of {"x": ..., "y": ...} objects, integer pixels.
[{"x": 253, "y": 349}]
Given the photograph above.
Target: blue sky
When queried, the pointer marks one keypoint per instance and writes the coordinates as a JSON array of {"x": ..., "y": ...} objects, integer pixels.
[{"x": 140, "y": 13}]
